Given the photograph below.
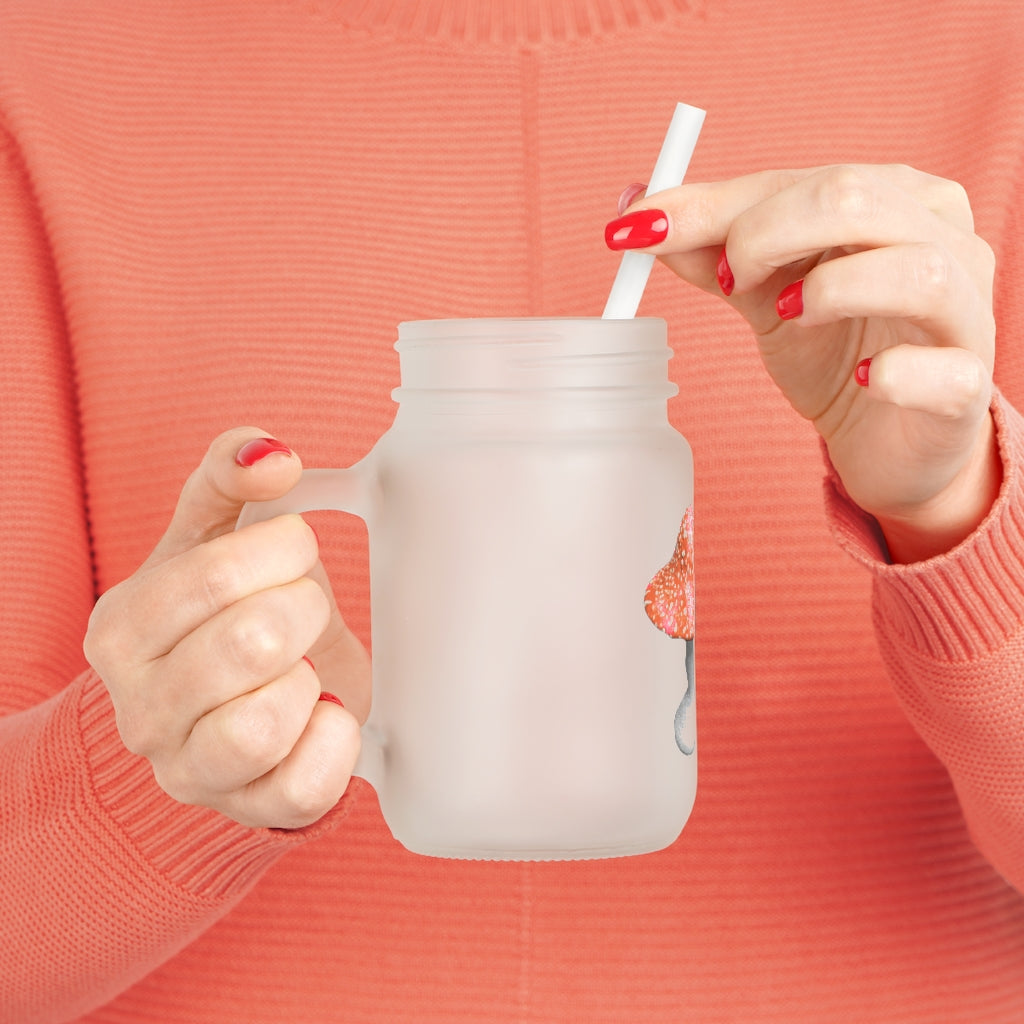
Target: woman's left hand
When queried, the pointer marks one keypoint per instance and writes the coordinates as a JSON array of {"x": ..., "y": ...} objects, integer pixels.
[{"x": 870, "y": 297}]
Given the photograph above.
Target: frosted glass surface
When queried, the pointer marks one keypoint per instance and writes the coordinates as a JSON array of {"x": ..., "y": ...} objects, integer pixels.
[{"x": 527, "y": 703}]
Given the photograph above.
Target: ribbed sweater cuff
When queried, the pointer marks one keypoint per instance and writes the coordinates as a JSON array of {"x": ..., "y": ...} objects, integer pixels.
[
  {"x": 194, "y": 848},
  {"x": 964, "y": 603}
]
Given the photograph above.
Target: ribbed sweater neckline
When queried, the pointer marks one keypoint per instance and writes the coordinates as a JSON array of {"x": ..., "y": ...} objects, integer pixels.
[{"x": 523, "y": 22}]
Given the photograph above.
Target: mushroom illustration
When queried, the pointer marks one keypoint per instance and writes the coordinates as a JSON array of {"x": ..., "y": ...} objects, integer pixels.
[{"x": 669, "y": 602}]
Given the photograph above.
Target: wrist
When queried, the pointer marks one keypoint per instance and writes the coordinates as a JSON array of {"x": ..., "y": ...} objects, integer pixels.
[{"x": 949, "y": 518}]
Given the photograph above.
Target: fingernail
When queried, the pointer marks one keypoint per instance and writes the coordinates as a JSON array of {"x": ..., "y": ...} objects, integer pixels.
[
  {"x": 331, "y": 698},
  {"x": 724, "y": 274},
  {"x": 252, "y": 451},
  {"x": 629, "y": 194},
  {"x": 309, "y": 663},
  {"x": 790, "y": 303},
  {"x": 861, "y": 373},
  {"x": 637, "y": 230}
]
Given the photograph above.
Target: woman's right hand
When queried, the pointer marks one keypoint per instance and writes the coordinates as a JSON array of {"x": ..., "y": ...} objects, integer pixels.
[
  {"x": 871, "y": 299},
  {"x": 203, "y": 650}
]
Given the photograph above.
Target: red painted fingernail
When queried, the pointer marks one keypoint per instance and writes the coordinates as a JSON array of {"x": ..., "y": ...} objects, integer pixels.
[
  {"x": 861, "y": 373},
  {"x": 331, "y": 698},
  {"x": 724, "y": 274},
  {"x": 790, "y": 303},
  {"x": 628, "y": 195},
  {"x": 309, "y": 663},
  {"x": 637, "y": 230},
  {"x": 252, "y": 451}
]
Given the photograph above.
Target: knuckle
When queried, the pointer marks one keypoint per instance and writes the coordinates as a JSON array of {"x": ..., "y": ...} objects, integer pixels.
[
  {"x": 829, "y": 294},
  {"x": 971, "y": 382},
  {"x": 178, "y": 783},
  {"x": 953, "y": 196},
  {"x": 700, "y": 216},
  {"x": 144, "y": 731},
  {"x": 136, "y": 733},
  {"x": 327, "y": 762},
  {"x": 96, "y": 643},
  {"x": 958, "y": 384},
  {"x": 254, "y": 733},
  {"x": 903, "y": 173},
  {"x": 950, "y": 201},
  {"x": 309, "y": 795},
  {"x": 104, "y": 642},
  {"x": 952, "y": 408},
  {"x": 293, "y": 535},
  {"x": 753, "y": 246},
  {"x": 264, "y": 634},
  {"x": 254, "y": 641},
  {"x": 931, "y": 271},
  {"x": 985, "y": 257},
  {"x": 848, "y": 194},
  {"x": 778, "y": 180},
  {"x": 315, "y": 604},
  {"x": 221, "y": 581}
]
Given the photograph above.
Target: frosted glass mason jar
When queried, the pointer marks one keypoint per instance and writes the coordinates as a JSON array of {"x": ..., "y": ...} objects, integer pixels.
[{"x": 530, "y": 540}]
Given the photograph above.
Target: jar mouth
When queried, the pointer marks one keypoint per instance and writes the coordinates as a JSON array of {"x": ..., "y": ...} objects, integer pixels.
[
  {"x": 593, "y": 332},
  {"x": 521, "y": 355}
]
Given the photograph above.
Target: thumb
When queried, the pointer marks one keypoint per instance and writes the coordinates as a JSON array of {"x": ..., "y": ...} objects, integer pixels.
[{"x": 241, "y": 465}]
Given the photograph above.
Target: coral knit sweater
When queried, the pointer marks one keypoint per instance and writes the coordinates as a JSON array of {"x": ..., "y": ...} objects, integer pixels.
[{"x": 215, "y": 213}]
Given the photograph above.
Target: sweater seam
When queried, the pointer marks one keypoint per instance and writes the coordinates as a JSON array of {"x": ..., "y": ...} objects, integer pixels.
[{"x": 13, "y": 152}]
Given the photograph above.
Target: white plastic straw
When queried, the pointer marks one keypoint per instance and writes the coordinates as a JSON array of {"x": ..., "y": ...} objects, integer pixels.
[{"x": 674, "y": 158}]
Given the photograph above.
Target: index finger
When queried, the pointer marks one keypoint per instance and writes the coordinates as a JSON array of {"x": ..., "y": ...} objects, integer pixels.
[
  {"x": 701, "y": 214},
  {"x": 171, "y": 599}
]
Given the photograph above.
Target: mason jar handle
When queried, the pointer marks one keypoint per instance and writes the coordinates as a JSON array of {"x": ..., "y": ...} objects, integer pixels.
[{"x": 331, "y": 490}]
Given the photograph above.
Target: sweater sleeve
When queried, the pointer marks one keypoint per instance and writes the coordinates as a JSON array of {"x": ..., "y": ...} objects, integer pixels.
[
  {"x": 951, "y": 631},
  {"x": 102, "y": 876}
]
